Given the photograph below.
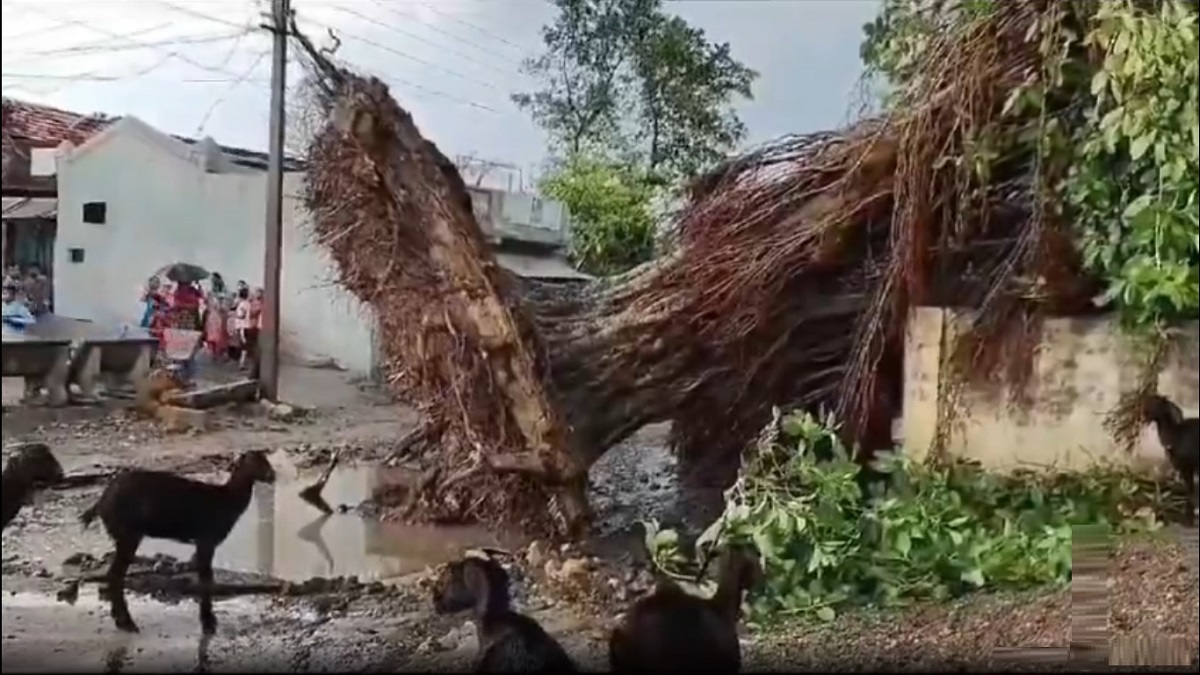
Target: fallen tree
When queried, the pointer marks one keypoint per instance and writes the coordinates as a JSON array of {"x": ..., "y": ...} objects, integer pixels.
[{"x": 794, "y": 272}]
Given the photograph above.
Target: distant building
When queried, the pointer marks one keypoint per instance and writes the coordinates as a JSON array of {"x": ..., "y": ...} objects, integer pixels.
[
  {"x": 30, "y": 134},
  {"x": 132, "y": 198}
]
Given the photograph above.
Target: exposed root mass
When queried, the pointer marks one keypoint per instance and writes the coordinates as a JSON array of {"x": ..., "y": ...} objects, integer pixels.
[{"x": 796, "y": 267}]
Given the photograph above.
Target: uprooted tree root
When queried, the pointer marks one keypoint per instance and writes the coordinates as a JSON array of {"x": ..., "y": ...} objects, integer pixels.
[{"x": 795, "y": 269}]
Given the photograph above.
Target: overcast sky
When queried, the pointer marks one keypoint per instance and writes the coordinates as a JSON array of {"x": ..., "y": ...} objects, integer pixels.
[{"x": 190, "y": 67}]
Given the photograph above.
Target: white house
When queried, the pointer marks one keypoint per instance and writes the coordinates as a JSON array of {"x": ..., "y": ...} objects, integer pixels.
[{"x": 132, "y": 199}]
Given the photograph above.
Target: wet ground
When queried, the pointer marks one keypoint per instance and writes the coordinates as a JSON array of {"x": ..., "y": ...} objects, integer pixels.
[
  {"x": 345, "y": 592},
  {"x": 281, "y": 539}
]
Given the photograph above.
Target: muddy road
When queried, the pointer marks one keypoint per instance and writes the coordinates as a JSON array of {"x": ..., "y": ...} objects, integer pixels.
[
  {"x": 313, "y": 593},
  {"x": 351, "y": 587}
]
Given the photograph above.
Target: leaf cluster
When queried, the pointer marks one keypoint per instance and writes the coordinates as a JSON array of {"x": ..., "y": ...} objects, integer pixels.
[
  {"x": 1111, "y": 116},
  {"x": 936, "y": 532},
  {"x": 612, "y": 223}
]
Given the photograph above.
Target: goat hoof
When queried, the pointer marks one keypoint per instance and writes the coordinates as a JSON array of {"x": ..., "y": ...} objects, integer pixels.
[
  {"x": 127, "y": 625},
  {"x": 209, "y": 627}
]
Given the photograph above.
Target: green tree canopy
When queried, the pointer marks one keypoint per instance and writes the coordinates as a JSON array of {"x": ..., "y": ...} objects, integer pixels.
[
  {"x": 613, "y": 227},
  {"x": 632, "y": 99},
  {"x": 625, "y": 80}
]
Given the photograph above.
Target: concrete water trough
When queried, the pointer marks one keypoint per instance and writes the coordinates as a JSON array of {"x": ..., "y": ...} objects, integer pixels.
[
  {"x": 119, "y": 356},
  {"x": 43, "y": 362}
]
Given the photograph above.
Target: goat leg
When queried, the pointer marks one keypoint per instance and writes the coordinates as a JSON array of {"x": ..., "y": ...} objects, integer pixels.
[
  {"x": 122, "y": 558},
  {"x": 1189, "y": 484},
  {"x": 204, "y": 573}
]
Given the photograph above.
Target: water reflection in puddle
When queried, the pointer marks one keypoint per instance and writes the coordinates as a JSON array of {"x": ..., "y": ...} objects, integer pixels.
[{"x": 282, "y": 536}]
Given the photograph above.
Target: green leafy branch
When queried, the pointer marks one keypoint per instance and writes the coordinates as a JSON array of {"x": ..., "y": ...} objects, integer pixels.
[{"x": 939, "y": 531}]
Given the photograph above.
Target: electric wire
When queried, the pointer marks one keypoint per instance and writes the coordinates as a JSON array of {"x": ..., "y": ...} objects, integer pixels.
[
  {"x": 413, "y": 36},
  {"x": 463, "y": 22},
  {"x": 172, "y": 54},
  {"x": 106, "y": 47},
  {"x": 126, "y": 42},
  {"x": 233, "y": 85},
  {"x": 404, "y": 55},
  {"x": 393, "y": 79},
  {"x": 382, "y": 4}
]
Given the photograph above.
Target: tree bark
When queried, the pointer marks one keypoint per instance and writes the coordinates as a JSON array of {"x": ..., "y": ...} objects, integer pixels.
[{"x": 525, "y": 388}]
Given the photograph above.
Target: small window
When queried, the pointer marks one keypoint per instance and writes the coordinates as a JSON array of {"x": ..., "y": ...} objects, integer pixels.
[
  {"x": 76, "y": 255},
  {"x": 95, "y": 212}
]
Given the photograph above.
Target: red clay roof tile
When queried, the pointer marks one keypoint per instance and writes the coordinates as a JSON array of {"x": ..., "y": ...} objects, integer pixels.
[{"x": 45, "y": 125}]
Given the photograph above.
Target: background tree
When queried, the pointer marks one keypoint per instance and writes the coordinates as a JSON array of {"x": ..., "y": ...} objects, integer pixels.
[
  {"x": 632, "y": 98},
  {"x": 613, "y": 226},
  {"x": 586, "y": 53},
  {"x": 685, "y": 88}
]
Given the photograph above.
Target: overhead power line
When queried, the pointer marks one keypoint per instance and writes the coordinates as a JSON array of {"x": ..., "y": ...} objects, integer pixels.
[
  {"x": 463, "y": 22},
  {"x": 94, "y": 77},
  {"x": 414, "y": 36},
  {"x": 233, "y": 84},
  {"x": 129, "y": 42},
  {"x": 107, "y": 47},
  {"x": 404, "y": 55},
  {"x": 118, "y": 42},
  {"x": 382, "y": 4},
  {"x": 392, "y": 80}
]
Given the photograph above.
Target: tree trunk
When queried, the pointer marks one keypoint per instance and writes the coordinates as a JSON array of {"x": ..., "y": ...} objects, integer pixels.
[
  {"x": 524, "y": 391},
  {"x": 795, "y": 268}
]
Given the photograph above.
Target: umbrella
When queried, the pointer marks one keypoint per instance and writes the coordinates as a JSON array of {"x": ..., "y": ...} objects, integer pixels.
[{"x": 184, "y": 273}]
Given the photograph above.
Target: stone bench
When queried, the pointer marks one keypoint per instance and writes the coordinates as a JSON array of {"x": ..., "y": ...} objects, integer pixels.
[
  {"x": 120, "y": 356},
  {"x": 121, "y": 362},
  {"x": 43, "y": 362}
]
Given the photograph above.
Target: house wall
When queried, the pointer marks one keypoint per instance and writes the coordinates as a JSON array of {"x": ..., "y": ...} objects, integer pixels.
[
  {"x": 520, "y": 217},
  {"x": 163, "y": 208},
  {"x": 18, "y": 179},
  {"x": 1080, "y": 371}
]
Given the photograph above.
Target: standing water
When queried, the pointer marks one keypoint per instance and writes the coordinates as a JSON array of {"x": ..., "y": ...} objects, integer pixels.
[{"x": 283, "y": 536}]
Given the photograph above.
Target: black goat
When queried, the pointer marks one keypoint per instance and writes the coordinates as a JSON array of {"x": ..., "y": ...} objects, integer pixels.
[
  {"x": 508, "y": 642},
  {"x": 1180, "y": 439},
  {"x": 32, "y": 467},
  {"x": 138, "y": 504},
  {"x": 675, "y": 631}
]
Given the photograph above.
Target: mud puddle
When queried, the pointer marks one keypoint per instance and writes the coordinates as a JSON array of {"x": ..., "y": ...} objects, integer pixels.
[
  {"x": 42, "y": 635},
  {"x": 284, "y": 537},
  {"x": 39, "y": 631}
]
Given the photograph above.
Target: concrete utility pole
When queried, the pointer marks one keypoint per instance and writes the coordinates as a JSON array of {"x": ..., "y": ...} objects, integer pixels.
[{"x": 268, "y": 340}]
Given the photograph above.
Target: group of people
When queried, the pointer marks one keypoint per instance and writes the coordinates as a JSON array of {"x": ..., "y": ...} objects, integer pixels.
[
  {"x": 26, "y": 297},
  {"x": 229, "y": 323}
]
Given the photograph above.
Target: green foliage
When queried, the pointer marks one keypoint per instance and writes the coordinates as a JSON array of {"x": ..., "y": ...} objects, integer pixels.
[
  {"x": 937, "y": 532},
  {"x": 587, "y": 50},
  {"x": 894, "y": 43},
  {"x": 622, "y": 78},
  {"x": 1115, "y": 110},
  {"x": 683, "y": 110},
  {"x": 1136, "y": 171},
  {"x": 612, "y": 224}
]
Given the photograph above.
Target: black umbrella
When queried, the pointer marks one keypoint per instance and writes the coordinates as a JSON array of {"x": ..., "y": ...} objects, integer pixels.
[{"x": 184, "y": 273}]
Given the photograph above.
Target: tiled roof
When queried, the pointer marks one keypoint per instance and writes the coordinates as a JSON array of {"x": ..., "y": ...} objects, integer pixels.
[{"x": 43, "y": 125}]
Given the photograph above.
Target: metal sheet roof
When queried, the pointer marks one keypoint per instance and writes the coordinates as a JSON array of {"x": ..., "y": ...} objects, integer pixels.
[
  {"x": 538, "y": 267},
  {"x": 16, "y": 208}
]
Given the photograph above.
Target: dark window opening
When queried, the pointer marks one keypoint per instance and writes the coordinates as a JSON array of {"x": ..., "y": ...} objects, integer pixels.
[
  {"x": 76, "y": 255},
  {"x": 95, "y": 212}
]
